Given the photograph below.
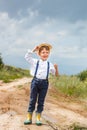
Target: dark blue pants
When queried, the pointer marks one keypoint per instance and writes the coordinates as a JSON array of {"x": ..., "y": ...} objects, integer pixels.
[{"x": 39, "y": 89}]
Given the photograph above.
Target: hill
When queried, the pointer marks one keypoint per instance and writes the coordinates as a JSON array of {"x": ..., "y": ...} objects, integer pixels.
[{"x": 9, "y": 73}]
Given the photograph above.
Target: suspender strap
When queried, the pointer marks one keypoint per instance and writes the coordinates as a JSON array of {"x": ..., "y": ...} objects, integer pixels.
[
  {"x": 36, "y": 68},
  {"x": 48, "y": 65}
]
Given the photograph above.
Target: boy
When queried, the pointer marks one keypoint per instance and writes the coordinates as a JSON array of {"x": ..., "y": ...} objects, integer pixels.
[{"x": 40, "y": 70}]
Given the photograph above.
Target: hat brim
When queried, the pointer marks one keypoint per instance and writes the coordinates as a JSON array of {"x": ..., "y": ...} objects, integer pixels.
[{"x": 45, "y": 44}]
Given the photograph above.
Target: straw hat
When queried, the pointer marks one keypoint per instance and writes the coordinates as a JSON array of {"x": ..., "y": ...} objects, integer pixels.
[
  {"x": 44, "y": 44},
  {"x": 41, "y": 45}
]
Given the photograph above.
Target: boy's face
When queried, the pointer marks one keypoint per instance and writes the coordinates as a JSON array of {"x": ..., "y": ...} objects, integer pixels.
[{"x": 44, "y": 54}]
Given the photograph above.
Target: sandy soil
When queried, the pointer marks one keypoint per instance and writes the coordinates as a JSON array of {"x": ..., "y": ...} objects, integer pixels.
[{"x": 60, "y": 113}]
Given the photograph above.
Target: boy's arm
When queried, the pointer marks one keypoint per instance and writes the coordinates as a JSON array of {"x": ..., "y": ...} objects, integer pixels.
[
  {"x": 56, "y": 70},
  {"x": 28, "y": 56}
]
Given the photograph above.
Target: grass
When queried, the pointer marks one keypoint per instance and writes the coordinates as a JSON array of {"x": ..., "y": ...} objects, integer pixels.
[
  {"x": 10, "y": 73},
  {"x": 70, "y": 86},
  {"x": 77, "y": 127}
]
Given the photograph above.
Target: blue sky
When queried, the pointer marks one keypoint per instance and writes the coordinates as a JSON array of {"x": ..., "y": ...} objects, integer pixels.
[{"x": 63, "y": 23}]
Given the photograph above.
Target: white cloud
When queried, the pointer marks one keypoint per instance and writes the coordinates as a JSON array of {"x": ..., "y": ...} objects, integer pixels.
[
  {"x": 17, "y": 35},
  {"x": 48, "y": 29},
  {"x": 71, "y": 52}
]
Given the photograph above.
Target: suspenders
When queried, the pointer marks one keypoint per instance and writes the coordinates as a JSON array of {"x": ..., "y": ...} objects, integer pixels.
[
  {"x": 36, "y": 68},
  {"x": 48, "y": 70},
  {"x": 48, "y": 65}
]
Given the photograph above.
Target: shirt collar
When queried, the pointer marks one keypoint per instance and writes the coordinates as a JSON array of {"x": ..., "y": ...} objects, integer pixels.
[{"x": 42, "y": 60}]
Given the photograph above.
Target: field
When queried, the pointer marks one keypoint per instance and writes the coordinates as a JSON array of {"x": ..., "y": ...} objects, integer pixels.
[{"x": 65, "y": 106}]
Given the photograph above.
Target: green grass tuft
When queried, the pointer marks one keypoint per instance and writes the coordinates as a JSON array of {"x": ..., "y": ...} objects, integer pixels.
[
  {"x": 70, "y": 86},
  {"x": 9, "y": 73}
]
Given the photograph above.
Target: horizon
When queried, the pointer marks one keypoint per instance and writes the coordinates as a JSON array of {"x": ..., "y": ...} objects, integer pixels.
[{"x": 59, "y": 73}]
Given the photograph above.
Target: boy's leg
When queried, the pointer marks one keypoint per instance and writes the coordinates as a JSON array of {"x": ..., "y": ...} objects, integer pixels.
[
  {"x": 33, "y": 98},
  {"x": 41, "y": 97},
  {"x": 42, "y": 94}
]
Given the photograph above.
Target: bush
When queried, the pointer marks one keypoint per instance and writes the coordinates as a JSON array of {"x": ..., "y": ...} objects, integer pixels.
[
  {"x": 82, "y": 75},
  {"x": 1, "y": 62}
]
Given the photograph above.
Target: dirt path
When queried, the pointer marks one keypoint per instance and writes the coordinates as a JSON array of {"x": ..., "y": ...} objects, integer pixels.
[
  {"x": 10, "y": 86},
  {"x": 57, "y": 115},
  {"x": 15, "y": 122}
]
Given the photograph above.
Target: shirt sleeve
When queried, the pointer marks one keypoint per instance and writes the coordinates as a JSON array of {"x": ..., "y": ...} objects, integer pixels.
[
  {"x": 29, "y": 58},
  {"x": 52, "y": 69}
]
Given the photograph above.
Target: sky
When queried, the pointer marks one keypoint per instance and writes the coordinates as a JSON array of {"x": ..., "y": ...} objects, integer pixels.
[{"x": 25, "y": 24}]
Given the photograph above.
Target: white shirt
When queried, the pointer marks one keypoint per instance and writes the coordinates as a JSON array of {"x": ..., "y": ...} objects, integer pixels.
[{"x": 42, "y": 68}]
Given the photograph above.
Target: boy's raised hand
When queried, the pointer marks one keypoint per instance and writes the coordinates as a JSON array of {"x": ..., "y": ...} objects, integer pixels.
[{"x": 35, "y": 49}]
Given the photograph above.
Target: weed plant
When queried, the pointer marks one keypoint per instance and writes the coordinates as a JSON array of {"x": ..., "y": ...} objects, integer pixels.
[
  {"x": 9, "y": 73},
  {"x": 70, "y": 86}
]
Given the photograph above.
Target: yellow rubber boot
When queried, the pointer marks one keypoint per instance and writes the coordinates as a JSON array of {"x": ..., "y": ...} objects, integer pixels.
[
  {"x": 29, "y": 119},
  {"x": 38, "y": 116}
]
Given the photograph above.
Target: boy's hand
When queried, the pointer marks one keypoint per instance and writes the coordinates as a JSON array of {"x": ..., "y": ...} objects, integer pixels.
[
  {"x": 35, "y": 49},
  {"x": 56, "y": 68}
]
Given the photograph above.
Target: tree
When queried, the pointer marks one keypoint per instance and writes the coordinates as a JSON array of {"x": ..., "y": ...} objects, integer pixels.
[
  {"x": 83, "y": 75},
  {"x": 1, "y": 61}
]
